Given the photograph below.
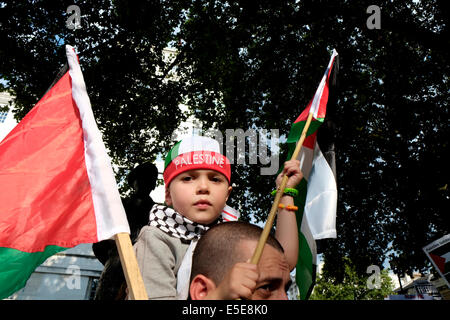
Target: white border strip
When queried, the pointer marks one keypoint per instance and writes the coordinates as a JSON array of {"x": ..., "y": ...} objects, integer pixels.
[{"x": 109, "y": 212}]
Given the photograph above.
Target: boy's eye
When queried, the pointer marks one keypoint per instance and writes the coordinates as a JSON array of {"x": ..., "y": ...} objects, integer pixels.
[{"x": 186, "y": 178}]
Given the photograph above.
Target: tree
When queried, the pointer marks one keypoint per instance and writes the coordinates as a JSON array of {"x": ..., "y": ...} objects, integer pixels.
[
  {"x": 133, "y": 98},
  {"x": 352, "y": 287},
  {"x": 388, "y": 115},
  {"x": 243, "y": 65}
]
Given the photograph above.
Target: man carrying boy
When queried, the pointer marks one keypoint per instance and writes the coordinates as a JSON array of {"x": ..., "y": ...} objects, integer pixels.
[
  {"x": 197, "y": 181},
  {"x": 222, "y": 272}
]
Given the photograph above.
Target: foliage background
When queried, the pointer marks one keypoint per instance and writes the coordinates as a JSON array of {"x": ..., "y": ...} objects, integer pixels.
[
  {"x": 256, "y": 64},
  {"x": 353, "y": 286}
]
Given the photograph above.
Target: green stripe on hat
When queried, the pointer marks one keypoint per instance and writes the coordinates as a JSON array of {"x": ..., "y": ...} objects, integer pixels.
[
  {"x": 173, "y": 153},
  {"x": 189, "y": 144}
]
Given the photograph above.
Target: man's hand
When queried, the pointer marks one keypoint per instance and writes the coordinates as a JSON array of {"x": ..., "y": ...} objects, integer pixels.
[
  {"x": 239, "y": 282},
  {"x": 292, "y": 170}
]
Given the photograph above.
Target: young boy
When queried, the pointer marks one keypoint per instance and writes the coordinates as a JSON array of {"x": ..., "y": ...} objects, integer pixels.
[
  {"x": 197, "y": 182},
  {"x": 266, "y": 280}
]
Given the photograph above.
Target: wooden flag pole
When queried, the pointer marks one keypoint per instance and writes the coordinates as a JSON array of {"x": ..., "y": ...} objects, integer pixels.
[
  {"x": 135, "y": 284},
  {"x": 268, "y": 226}
]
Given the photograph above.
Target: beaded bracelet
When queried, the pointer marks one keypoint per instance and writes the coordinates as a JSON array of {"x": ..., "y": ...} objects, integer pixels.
[
  {"x": 289, "y": 208},
  {"x": 288, "y": 191}
]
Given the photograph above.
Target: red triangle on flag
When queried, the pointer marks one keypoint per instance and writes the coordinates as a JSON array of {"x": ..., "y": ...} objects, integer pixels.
[
  {"x": 46, "y": 199},
  {"x": 439, "y": 261}
]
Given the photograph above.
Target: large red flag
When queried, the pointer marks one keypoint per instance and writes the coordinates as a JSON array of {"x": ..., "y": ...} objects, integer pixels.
[{"x": 58, "y": 186}]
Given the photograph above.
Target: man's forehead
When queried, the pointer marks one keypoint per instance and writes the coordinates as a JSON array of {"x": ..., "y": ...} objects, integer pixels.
[
  {"x": 274, "y": 262},
  {"x": 271, "y": 257}
]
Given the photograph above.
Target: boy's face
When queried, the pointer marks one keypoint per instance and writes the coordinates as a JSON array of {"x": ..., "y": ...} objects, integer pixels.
[{"x": 199, "y": 195}]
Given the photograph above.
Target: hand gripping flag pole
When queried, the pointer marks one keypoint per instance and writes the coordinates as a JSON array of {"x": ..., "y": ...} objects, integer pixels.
[{"x": 268, "y": 226}]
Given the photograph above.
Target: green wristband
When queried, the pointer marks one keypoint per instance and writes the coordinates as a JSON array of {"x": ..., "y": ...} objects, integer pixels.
[
  {"x": 291, "y": 192},
  {"x": 288, "y": 191}
]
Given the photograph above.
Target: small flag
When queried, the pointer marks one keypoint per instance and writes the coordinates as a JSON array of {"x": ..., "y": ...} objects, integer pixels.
[
  {"x": 58, "y": 186},
  {"x": 230, "y": 214},
  {"x": 439, "y": 254},
  {"x": 317, "y": 191}
]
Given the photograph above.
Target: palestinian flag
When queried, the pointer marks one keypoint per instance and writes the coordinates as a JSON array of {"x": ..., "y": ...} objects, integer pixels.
[
  {"x": 230, "y": 214},
  {"x": 58, "y": 186},
  {"x": 317, "y": 197},
  {"x": 439, "y": 253}
]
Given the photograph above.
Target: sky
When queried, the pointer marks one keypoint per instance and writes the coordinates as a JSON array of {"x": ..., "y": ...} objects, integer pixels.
[{"x": 10, "y": 122}]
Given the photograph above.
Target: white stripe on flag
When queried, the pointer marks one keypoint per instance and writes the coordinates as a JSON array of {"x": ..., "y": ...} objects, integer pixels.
[
  {"x": 321, "y": 198},
  {"x": 109, "y": 212},
  {"x": 318, "y": 95},
  {"x": 306, "y": 156}
]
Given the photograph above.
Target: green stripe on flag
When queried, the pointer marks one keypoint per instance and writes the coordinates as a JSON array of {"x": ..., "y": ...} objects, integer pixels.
[
  {"x": 17, "y": 266},
  {"x": 297, "y": 129},
  {"x": 305, "y": 269}
]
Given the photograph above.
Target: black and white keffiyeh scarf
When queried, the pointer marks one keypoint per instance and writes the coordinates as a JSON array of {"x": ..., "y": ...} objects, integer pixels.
[{"x": 175, "y": 225}]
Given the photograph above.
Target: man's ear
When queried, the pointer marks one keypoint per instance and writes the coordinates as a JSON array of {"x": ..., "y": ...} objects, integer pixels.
[
  {"x": 168, "y": 197},
  {"x": 200, "y": 287}
]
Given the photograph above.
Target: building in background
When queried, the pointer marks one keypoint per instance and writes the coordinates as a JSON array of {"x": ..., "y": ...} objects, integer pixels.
[
  {"x": 68, "y": 275},
  {"x": 7, "y": 121},
  {"x": 418, "y": 286}
]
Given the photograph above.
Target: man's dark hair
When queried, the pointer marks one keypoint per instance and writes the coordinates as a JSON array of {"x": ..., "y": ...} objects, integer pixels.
[{"x": 216, "y": 252}]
